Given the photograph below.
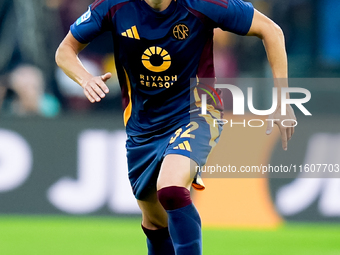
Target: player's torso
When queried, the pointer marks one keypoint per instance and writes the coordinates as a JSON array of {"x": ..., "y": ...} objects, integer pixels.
[
  {"x": 159, "y": 48},
  {"x": 160, "y": 52}
]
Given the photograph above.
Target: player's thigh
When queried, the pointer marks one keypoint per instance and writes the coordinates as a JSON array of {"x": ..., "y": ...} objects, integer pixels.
[
  {"x": 176, "y": 171},
  {"x": 154, "y": 215}
]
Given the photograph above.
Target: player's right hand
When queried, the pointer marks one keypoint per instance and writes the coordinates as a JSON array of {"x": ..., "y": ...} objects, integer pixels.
[
  {"x": 286, "y": 131},
  {"x": 95, "y": 88}
]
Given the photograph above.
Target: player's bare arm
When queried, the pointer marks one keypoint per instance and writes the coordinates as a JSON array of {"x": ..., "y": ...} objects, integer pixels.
[
  {"x": 274, "y": 43},
  {"x": 67, "y": 59}
]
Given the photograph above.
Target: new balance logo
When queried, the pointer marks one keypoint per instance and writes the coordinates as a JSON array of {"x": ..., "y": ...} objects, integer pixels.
[
  {"x": 183, "y": 146},
  {"x": 131, "y": 33}
]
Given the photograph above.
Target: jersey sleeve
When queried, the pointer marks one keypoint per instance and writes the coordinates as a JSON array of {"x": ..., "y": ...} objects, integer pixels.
[
  {"x": 92, "y": 23},
  {"x": 235, "y": 16}
]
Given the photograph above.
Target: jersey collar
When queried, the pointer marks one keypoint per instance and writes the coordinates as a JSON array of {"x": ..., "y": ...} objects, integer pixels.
[{"x": 167, "y": 12}]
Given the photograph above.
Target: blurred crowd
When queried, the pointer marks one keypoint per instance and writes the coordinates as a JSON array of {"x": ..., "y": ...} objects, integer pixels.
[
  {"x": 31, "y": 30},
  {"x": 30, "y": 82}
]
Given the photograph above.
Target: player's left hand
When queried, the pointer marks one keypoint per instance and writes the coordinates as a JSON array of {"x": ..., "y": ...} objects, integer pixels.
[{"x": 287, "y": 130}]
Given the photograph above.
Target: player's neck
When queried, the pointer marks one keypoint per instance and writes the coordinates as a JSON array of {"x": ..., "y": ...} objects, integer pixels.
[{"x": 158, "y": 5}]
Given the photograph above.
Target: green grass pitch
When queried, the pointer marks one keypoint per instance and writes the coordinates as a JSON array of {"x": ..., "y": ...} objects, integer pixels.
[{"x": 34, "y": 235}]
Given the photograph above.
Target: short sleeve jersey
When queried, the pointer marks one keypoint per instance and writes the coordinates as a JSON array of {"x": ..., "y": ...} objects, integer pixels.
[{"x": 157, "y": 53}]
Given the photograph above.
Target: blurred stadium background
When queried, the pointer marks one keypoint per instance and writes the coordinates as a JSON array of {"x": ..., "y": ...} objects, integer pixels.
[{"x": 63, "y": 183}]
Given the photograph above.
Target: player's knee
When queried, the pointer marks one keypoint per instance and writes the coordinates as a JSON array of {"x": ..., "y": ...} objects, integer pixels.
[
  {"x": 154, "y": 222},
  {"x": 174, "y": 197}
]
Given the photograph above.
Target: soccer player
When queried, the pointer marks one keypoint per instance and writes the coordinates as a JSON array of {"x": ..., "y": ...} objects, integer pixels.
[{"x": 159, "y": 46}]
